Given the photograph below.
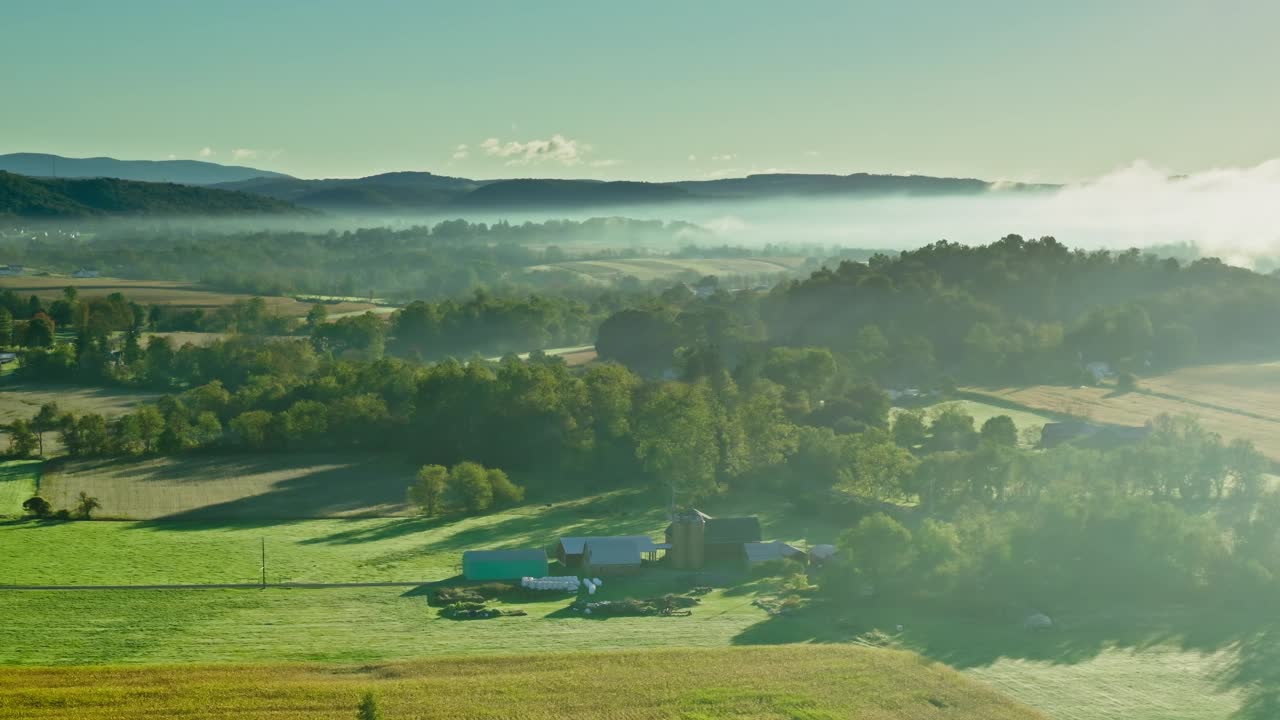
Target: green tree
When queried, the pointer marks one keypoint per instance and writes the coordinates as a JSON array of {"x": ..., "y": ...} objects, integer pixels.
[
  {"x": 6, "y": 327},
  {"x": 952, "y": 429},
  {"x": 676, "y": 438},
  {"x": 38, "y": 332},
  {"x": 85, "y": 505},
  {"x": 504, "y": 491},
  {"x": 47, "y": 419},
  {"x": 37, "y": 506},
  {"x": 22, "y": 442},
  {"x": 316, "y": 317},
  {"x": 1001, "y": 431},
  {"x": 427, "y": 491},
  {"x": 251, "y": 428},
  {"x": 368, "y": 708},
  {"x": 469, "y": 483},
  {"x": 150, "y": 426},
  {"x": 909, "y": 429},
  {"x": 878, "y": 549}
]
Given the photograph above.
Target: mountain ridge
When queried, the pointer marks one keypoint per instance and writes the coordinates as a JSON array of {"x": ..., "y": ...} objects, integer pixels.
[
  {"x": 184, "y": 172},
  {"x": 63, "y": 198}
]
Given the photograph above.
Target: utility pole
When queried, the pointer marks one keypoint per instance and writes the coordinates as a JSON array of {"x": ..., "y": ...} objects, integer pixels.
[{"x": 264, "y": 562}]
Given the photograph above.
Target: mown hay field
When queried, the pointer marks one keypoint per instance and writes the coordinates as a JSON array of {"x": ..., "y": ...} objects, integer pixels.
[
  {"x": 779, "y": 682},
  {"x": 163, "y": 292},
  {"x": 22, "y": 400},
  {"x": 1105, "y": 405},
  {"x": 646, "y": 269},
  {"x": 234, "y": 487}
]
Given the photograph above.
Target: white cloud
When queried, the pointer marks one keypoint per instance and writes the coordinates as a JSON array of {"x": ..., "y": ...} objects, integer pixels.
[
  {"x": 557, "y": 148},
  {"x": 605, "y": 163},
  {"x": 692, "y": 157},
  {"x": 243, "y": 154},
  {"x": 461, "y": 152},
  {"x": 812, "y": 153},
  {"x": 172, "y": 157},
  {"x": 724, "y": 158},
  {"x": 206, "y": 152}
]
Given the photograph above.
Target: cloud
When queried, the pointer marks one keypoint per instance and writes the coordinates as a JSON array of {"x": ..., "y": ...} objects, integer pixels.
[
  {"x": 206, "y": 152},
  {"x": 724, "y": 158},
  {"x": 243, "y": 154},
  {"x": 605, "y": 163},
  {"x": 557, "y": 149},
  {"x": 812, "y": 153},
  {"x": 172, "y": 157},
  {"x": 461, "y": 152},
  {"x": 692, "y": 157}
]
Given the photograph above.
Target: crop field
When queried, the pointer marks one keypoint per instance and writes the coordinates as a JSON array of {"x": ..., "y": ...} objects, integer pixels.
[
  {"x": 1234, "y": 414},
  {"x": 163, "y": 292},
  {"x": 244, "y": 487},
  {"x": 781, "y": 682},
  {"x": 646, "y": 269}
]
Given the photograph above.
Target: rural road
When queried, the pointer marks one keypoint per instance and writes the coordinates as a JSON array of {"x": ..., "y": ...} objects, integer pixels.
[{"x": 222, "y": 586}]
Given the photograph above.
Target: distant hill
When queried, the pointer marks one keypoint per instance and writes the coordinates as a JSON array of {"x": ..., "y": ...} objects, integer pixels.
[
  {"x": 425, "y": 192},
  {"x": 53, "y": 198},
  {"x": 406, "y": 191},
  {"x": 185, "y": 172}
]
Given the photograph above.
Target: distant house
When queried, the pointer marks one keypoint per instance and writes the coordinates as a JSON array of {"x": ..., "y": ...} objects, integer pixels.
[
  {"x": 503, "y": 564},
  {"x": 611, "y": 556},
  {"x": 569, "y": 550},
  {"x": 821, "y": 553},
  {"x": 763, "y": 552},
  {"x": 1099, "y": 370},
  {"x": 84, "y": 273}
]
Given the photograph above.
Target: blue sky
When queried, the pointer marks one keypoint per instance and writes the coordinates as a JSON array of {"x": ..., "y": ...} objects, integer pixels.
[{"x": 1029, "y": 90}]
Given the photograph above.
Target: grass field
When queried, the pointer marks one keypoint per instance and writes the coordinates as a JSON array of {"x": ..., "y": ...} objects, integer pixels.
[
  {"x": 1218, "y": 396},
  {"x": 21, "y": 401},
  {"x": 163, "y": 292},
  {"x": 802, "y": 683},
  {"x": 18, "y": 482},
  {"x": 234, "y": 487},
  {"x": 646, "y": 269},
  {"x": 982, "y": 412}
]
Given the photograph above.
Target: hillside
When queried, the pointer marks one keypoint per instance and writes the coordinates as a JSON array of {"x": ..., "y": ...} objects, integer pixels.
[
  {"x": 776, "y": 682},
  {"x": 186, "y": 172},
  {"x": 50, "y": 198}
]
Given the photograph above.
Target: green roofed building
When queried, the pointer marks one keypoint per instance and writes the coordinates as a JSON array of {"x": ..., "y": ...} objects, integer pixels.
[{"x": 503, "y": 564}]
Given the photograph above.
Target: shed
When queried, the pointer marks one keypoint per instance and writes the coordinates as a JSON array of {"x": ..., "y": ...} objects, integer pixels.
[
  {"x": 503, "y": 564},
  {"x": 569, "y": 549},
  {"x": 821, "y": 553},
  {"x": 611, "y": 556},
  {"x": 763, "y": 552}
]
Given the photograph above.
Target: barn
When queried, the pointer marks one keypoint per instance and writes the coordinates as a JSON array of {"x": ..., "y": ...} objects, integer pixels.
[
  {"x": 503, "y": 564},
  {"x": 569, "y": 549},
  {"x": 724, "y": 537},
  {"x": 611, "y": 556},
  {"x": 697, "y": 539}
]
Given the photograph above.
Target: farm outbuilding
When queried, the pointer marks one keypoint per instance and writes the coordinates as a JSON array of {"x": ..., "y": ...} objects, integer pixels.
[
  {"x": 763, "y": 552},
  {"x": 611, "y": 556},
  {"x": 503, "y": 564},
  {"x": 569, "y": 549},
  {"x": 697, "y": 538}
]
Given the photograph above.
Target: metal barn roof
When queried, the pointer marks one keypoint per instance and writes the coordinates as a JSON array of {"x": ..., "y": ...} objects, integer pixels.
[
  {"x": 575, "y": 545},
  {"x": 611, "y": 551},
  {"x": 758, "y": 552}
]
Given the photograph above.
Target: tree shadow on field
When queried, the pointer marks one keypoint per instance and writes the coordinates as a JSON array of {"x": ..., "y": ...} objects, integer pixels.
[
  {"x": 298, "y": 487},
  {"x": 1250, "y": 638}
]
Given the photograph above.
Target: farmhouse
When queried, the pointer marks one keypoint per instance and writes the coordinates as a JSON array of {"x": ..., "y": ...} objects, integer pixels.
[
  {"x": 503, "y": 564},
  {"x": 611, "y": 556},
  {"x": 697, "y": 538},
  {"x": 569, "y": 550}
]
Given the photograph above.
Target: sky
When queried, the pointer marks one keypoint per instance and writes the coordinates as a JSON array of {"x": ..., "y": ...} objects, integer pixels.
[{"x": 1026, "y": 90}]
